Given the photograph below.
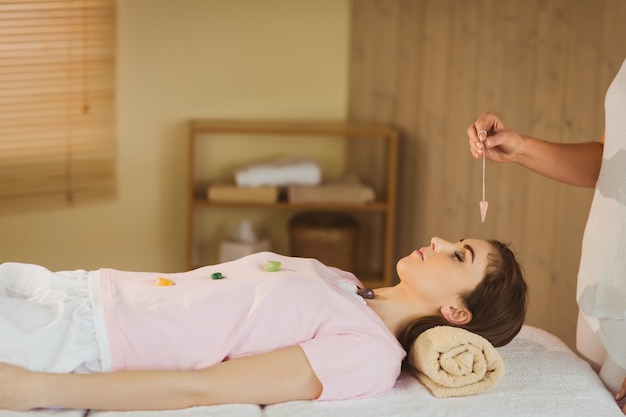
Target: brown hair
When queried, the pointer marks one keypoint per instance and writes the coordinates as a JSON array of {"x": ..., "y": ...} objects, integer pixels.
[{"x": 497, "y": 304}]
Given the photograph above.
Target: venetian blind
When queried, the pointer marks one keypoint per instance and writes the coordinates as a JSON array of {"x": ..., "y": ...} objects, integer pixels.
[{"x": 57, "y": 127}]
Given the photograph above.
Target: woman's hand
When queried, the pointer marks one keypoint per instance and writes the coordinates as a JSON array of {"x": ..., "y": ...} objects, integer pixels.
[
  {"x": 17, "y": 388},
  {"x": 489, "y": 133},
  {"x": 570, "y": 163},
  {"x": 621, "y": 394}
]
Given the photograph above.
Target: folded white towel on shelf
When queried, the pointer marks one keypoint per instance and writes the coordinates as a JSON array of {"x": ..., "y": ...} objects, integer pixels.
[{"x": 291, "y": 171}]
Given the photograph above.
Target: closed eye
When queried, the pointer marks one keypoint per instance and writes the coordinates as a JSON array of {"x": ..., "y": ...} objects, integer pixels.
[
  {"x": 460, "y": 257},
  {"x": 470, "y": 249}
]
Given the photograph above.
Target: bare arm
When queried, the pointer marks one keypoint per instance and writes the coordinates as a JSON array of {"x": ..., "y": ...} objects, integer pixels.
[
  {"x": 262, "y": 379},
  {"x": 572, "y": 163}
]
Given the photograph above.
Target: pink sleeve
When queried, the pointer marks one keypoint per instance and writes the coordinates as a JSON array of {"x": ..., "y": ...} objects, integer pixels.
[{"x": 353, "y": 365}]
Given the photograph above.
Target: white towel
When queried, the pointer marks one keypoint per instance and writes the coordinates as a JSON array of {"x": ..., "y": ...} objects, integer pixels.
[{"x": 301, "y": 171}]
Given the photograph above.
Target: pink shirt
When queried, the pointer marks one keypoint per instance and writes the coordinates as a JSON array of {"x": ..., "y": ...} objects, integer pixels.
[{"x": 201, "y": 321}]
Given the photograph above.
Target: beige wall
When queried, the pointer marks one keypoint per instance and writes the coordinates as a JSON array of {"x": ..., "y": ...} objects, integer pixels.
[{"x": 180, "y": 59}]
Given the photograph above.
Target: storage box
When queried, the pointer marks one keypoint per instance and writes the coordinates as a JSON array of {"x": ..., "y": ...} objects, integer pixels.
[
  {"x": 327, "y": 237},
  {"x": 331, "y": 193},
  {"x": 227, "y": 193}
]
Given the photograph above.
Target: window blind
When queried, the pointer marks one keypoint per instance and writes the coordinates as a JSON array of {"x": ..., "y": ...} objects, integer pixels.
[{"x": 57, "y": 118}]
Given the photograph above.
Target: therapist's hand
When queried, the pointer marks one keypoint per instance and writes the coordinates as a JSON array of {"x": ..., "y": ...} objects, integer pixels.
[
  {"x": 622, "y": 394},
  {"x": 489, "y": 133}
]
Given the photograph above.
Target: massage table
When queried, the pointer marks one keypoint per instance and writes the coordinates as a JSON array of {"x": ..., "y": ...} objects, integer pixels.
[{"x": 542, "y": 377}]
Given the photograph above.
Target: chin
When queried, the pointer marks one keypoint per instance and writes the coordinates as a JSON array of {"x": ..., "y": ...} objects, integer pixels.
[{"x": 401, "y": 265}]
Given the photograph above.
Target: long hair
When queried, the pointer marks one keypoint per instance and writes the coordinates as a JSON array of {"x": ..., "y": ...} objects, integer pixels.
[{"x": 498, "y": 304}]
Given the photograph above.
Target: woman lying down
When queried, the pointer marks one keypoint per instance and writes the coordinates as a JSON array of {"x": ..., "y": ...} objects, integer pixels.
[{"x": 262, "y": 329}]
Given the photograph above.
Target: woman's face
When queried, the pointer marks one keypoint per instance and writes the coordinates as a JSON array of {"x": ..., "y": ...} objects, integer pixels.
[{"x": 444, "y": 270}]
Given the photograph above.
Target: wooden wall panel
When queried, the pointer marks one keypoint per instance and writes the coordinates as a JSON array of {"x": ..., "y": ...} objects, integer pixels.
[{"x": 432, "y": 66}]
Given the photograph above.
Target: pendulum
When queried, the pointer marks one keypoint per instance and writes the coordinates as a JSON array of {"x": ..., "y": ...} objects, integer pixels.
[
  {"x": 366, "y": 293},
  {"x": 483, "y": 204}
]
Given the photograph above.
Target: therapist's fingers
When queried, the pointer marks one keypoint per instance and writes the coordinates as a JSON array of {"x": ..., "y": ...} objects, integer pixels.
[
  {"x": 475, "y": 144},
  {"x": 621, "y": 394},
  {"x": 478, "y": 131}
]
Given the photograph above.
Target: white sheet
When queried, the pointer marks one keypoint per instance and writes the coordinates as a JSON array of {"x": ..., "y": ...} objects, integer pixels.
[
  {"x": 227, "y": 410},
  {"x": 543, "y": 377},
  {"x": 44, "y": 413}
]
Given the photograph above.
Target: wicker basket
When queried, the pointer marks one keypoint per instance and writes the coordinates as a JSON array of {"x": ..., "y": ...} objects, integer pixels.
[{"x": 327, "y": 237}]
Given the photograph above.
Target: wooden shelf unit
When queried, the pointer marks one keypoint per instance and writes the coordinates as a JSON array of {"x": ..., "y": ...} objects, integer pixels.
[{"x": 371, "y": 152}]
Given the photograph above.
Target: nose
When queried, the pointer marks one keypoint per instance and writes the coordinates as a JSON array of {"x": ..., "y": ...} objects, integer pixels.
[
  {"x": 434, "y": 243},
  {"x": 438, "y": 244}
]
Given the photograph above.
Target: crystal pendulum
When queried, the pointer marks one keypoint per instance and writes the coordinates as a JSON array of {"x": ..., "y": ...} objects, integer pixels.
[{"x": 483, "y": 204}]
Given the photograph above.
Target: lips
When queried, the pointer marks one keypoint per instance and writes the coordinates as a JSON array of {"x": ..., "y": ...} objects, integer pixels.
[{"x": 419, "y": 252}]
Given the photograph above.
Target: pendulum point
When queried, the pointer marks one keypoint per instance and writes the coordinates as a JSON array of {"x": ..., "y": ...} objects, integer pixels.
[{"x": 483, "y": 210}]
